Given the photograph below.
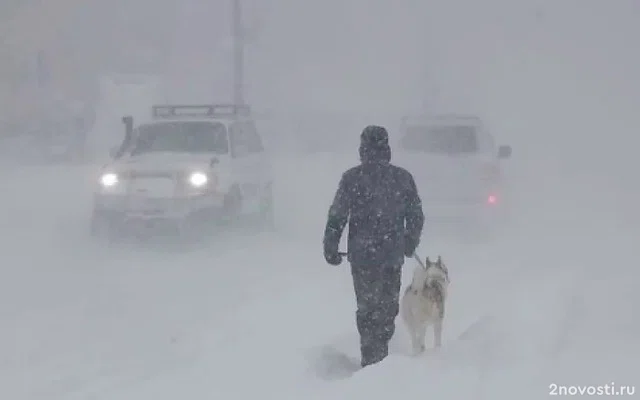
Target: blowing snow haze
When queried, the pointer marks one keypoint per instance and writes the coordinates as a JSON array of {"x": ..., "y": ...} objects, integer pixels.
[{"x": 550, "y": 300}]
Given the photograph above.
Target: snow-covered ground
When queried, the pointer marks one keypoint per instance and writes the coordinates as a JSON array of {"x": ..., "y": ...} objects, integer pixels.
[{"x": 552, "y": 302}]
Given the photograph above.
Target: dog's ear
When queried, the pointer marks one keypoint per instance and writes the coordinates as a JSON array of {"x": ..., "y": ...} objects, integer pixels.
[
  {"x": 439, "y": 261},
  {"x": 427, "y": 262}
]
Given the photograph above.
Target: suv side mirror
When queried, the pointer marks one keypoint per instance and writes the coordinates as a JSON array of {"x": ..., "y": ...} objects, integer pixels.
[
  {"x": 213, "y": 161},
  {"x": 118, "y": 151},
  {"x": 504, "y": 152}
]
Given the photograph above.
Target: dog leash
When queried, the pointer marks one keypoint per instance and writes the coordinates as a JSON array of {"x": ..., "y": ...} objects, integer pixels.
[
  {"x": 415, "y": 257},
  {"x": 419, "y": 260}
]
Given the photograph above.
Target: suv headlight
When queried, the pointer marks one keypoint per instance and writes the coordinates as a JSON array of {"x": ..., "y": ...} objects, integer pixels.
[
  {"x": 109, "y": 179},
  {"x": 198, "y": 179}
]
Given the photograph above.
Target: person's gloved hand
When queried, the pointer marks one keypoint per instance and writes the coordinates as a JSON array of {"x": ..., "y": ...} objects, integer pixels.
[{"x": 333, "y": 258}]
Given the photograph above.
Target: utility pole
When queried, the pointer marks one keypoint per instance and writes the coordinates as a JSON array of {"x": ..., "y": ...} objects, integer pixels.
[{"x": 238, "y": 53}]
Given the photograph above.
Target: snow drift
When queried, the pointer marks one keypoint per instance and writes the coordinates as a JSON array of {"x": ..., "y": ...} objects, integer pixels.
[{"x": 551, "y": 301}]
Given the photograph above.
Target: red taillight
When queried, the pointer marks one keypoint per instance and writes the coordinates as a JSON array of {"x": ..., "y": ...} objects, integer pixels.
[{"x": 492, "y": 199}]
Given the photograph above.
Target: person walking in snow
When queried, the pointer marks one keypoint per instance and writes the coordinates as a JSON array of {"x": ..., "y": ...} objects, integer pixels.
[{"x": 381, "y": 204}]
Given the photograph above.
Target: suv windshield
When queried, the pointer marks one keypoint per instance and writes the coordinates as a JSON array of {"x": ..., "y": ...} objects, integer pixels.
[
  {"x": 182, "y": 137},
  {"x": 440, "y": 139}
]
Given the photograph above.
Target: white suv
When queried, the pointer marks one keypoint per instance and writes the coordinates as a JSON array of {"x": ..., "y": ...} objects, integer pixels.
[
  {"x": 189, "y": 166},
  {"x": 457, "y": 167}
]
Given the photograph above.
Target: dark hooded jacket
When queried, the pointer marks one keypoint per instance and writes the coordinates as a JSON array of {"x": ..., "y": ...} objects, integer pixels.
[{"x": 380, "y": 202}]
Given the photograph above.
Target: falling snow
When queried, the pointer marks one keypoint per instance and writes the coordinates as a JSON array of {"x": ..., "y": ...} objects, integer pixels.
[{"x": 550, "y": 299}]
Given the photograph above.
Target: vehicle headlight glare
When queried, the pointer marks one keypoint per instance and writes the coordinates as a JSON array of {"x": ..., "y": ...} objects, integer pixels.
[
  {"x": 198, "y": 179},
  {"x": 109, "y": 179}
]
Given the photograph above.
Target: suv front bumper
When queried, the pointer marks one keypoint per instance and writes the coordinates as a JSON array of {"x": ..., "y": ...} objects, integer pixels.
[{"x": 126, "y": 208}]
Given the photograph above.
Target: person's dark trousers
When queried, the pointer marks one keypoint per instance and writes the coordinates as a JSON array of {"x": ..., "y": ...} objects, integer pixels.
[{"x": 377, "y": 292}]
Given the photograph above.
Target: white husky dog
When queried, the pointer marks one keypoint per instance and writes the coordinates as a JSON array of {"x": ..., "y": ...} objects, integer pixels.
[{"x": 423, "y": 302}]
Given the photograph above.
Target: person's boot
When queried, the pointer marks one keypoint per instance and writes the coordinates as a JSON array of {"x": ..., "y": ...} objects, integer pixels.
[
  {"x": 374, "y": 353},
  {"x": 367, "y": 348},
  {"x": 366, "y": 355}
]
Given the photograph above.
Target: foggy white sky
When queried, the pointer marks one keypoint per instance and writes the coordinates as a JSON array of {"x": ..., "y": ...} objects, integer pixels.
[{"x": 556, "y": 79}]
